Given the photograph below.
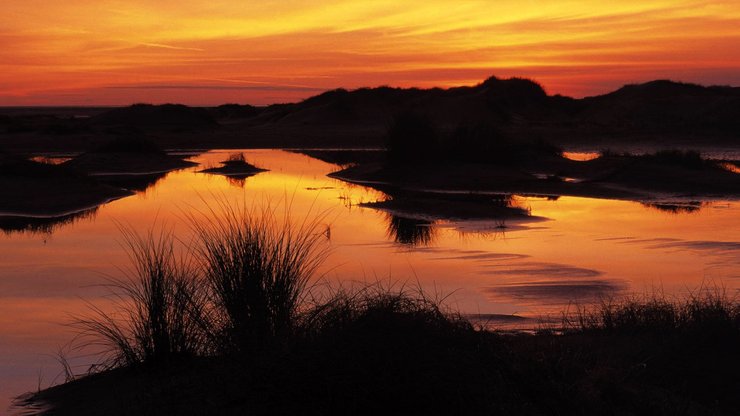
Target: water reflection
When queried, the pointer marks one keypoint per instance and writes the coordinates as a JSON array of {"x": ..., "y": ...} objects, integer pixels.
[
  {"x": 136, "y": 183},
  {"x": 439, "y": 205},
  {"x": 581, "y": 156},
  {"x": 588, "y": 248},
  {"x": 410, "y": 231},
  {"x": 238, "y": 181},
  {"x": 42, "y": 225},
  {"x": 556, "y": 292},
  {"x": 684, "y": 207}
]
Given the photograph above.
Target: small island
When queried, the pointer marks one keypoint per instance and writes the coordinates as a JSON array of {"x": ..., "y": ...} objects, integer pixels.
[{"x": 236, "y": 166}]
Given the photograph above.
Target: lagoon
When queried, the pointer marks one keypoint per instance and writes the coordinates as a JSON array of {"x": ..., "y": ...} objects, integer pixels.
[{"x": 569, "y": 251}]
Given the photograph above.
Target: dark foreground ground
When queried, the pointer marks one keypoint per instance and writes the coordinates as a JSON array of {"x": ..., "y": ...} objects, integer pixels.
[{"x": 400, "y": 356}]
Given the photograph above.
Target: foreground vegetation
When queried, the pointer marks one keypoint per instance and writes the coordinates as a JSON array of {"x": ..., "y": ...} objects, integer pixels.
[{"x": 233, "y": 326}]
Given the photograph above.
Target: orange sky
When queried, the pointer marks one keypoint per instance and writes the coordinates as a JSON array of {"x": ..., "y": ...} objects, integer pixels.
[{"x": 113, "y": 52}]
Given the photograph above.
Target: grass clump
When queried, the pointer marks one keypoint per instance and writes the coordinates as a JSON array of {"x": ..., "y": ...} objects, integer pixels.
[
  {"x": 708, "y": 312},
  {"x": 237, "y": 289},
  {"x": 235, "y": 159},
  {"x": 256, "y": 268},
  {"x": 161, "y": 302}
]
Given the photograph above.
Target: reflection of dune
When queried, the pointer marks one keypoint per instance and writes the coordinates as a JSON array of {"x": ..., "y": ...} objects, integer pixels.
[
  {"x": 136, "y": 183},
  {"x": 410, "y": 231},
  {"x": 42, "y": 225},
  {"x": 41, "y": 190},
  {"x": 449, "y": 206}
]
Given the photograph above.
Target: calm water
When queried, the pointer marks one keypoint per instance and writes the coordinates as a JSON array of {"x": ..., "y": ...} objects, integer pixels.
[{"x": 572, "y": 250}]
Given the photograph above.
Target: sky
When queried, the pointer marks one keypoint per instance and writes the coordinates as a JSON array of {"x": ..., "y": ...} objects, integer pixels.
[{"x": 118, "y": 52}]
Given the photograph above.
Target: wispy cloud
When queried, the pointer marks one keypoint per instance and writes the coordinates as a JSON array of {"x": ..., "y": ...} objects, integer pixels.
[
  {"x": 217, "y": 87},
  {"x": 574, "y": 47},
  {"x": 162, "y": 46}
]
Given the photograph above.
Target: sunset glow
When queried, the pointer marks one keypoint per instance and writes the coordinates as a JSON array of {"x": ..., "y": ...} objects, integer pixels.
[{"x": 112, "y": 52}]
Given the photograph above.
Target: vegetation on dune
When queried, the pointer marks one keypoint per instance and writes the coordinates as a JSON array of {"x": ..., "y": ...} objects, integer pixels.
[
  {"x": 710, "y": 312},
  {"x": 235, "y": 159},
  {"x": 394, "y": 351}
]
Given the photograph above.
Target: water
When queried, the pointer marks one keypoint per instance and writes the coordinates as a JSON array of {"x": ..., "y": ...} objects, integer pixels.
[{"x": 571, "y": 250}]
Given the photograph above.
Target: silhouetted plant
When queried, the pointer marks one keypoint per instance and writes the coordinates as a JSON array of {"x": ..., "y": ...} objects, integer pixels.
[
  {"x": 708, "y": 311},
  {"x": 256, "y": 268},
  {"x": 235, "y": 159},
  {"x": 161, "y": 302},
  {"x": 379, "y": 306}
]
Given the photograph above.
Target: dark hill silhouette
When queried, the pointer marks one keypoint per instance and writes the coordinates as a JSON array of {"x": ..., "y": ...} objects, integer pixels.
[
  {"x": 495, "y": 99},
  {"x": 147, "y": 117},
  {"x": 662, "y": 110},
  {"x": 658, "y": 112},
  {"x": 233, "y": 112},
  {"x": 664, "y": 107}
]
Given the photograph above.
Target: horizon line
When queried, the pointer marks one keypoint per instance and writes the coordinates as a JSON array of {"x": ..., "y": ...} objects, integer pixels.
[{"x": 324, "y": 91}]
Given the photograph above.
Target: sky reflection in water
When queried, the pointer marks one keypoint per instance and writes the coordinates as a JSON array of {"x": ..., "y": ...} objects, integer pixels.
[{"x": 585, "y": 249}]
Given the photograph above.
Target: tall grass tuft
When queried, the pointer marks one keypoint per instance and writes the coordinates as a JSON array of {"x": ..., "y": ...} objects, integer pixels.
[
  {"x": 257, "y": 268},
  {"x": 709, "y": 311},
  {"x": 161, "y": 304}
]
